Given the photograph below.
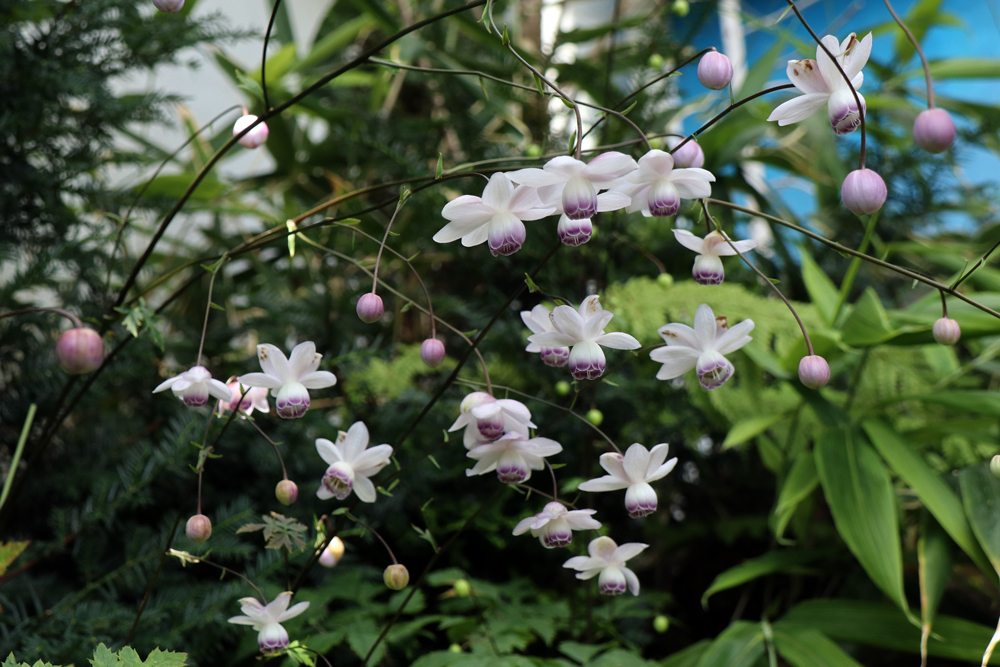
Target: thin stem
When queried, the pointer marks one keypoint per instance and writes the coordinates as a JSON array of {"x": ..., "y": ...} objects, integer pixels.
[
  {"x": 944, "y": 305},
  {"x": 726, "y": 111},
  {"x": 208, "y": 308},
  {"x": 855, "y": 266},
  {"x": 23, "y": 438},
  {"x": 531, "y": 489},
  {"x": 201, "y": 559},
  {"x": 802, "y": 326},
  {"x": 663, "y": 76},
  {"x": 920, "y": 52},
  {"x": 982, "y": 260},
  {"x": 385, "y": 237},
  {"x": 77, "y": 324},
  {"x": 152, "y": 582},
  {"x": 284, "y": 472},
  {"x": 263, "y": 55},
  {"x": 375, "y": 533},
  {"x": 555, "y": 485}
]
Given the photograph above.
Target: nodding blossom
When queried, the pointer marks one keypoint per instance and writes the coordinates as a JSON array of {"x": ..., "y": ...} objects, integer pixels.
[
  {"x": 539, "y": 320},
  {"x": 272, "y": 638},
  {"x": 656, "y": 188},
  {"x": 255, "y": 398},
  {"x": 607, "y": 559},
  {"x": 707, "y": 266},
  {"x": 498, "y": 216},
  {"x": 633, "y": 472},
  {"x": 513, "y": 456},
  {"x": 554, "y": 525},
  {"x": 194, "y": 386},
  {"x": 486, "y": 418},
  {"x": 572, "y": 186},
  {"x": 289, "y": 379},
  {"x": 351, "y": 464},
  {"x": 821, "y": 83},
  {"x": 583, "y": 332},
  {"x": 701, "y": 348}
]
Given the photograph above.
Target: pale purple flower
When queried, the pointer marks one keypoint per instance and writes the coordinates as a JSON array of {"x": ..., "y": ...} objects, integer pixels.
[
  {"x": 487, "y": 418},
  {"x": 574, "y": 232},
  {"x": 607, "y": 559},
  {"x": 554, "y": 525},
  {"x": 707, "y": 266},
  {"x": 351, "y": 464},
  {"x": 656, "y": 188},
  {"x": 194, "y": 386},
  {"x": 289, "y": 379},
  {"x": 539, "y": 320},
  {"x": 255, "y": 398},
  {"x": 583, "y": 332},
  {"x": 633, "y": 472},
  {"x": 571, "y": 186},
  {"x": 513, "y": 456},
  {"x": 701, "y": 348},
  {"x": 272, "y": 638}
]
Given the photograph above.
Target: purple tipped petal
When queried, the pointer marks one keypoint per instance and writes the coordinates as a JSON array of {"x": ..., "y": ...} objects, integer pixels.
[
  {"x": 579, "y": 199},
  {"x": 512, "y": 469},
  {"x": 555, "y": 356},
  {"x": 339, "y": 480},
  {"x": 663, "y": 199},
  {"x": 713, "y": 370},
  {"x": 586, "y": 361},
  {"x": 574, "y": 232},
  {"x": 708, "y": 270},
  {"x": 272, "y": 638},
  {"x": 506, "y": 234},
  {"x": 612, "y": 581},
  {"x": 292, "y": 401},
  {"x": 556, "y": 533},
  {"x": 843, "y": 111},
  {"x": 640, "y": 500}
]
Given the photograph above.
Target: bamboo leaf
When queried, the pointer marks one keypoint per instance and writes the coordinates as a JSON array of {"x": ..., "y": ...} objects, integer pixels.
[
  {"x": 981, "y": 496},
  {"x": 739, "y": 645},
  {"x": 804, "y": 647},
  {"x": 750, "y": 428},
  {"x": 769, "y": 563},
  {"x": 934, "y": 562},
  {"x": 799, "y": 483}
]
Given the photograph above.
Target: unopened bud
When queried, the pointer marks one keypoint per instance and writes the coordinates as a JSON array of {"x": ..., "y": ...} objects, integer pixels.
[
  {"x": 665, "y": 280},
  {"x": 715, "y": 71},
  {"x": 661, "y": 623},
  {"x": 934, "y": 131},
  {"x": 455, "y": 648},
  {"x": 863, "y": 192},
  {"x": 254, "y": 137},
  {"x": 396, "y": 577},
  {"x": 286, "y": 491},
  {"x": 995, "y": 466},
  {"x": 655, "y": 61},
  {"x": 562, "y": 387},
  {"x": 333, "y": 553},
  {"x": 80, "y": 351},
  {"x": 170, "y": 6},
  {"x": 199, "y": 528},
  {"x": 370, "y": 308},
  {"x": 681, "y": 8},
  {"x": 595, "y": 416},
  {"x": 432, "y": 352},
  {"x": 689, "y": 155},
  {"x": 946, "y": 331},
  {"x": 814, "y": 372},
  {"x": 462, "y": 588}
]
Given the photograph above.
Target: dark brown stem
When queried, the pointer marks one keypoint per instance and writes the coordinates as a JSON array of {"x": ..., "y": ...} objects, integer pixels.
[
  {"x": 284, "y": 472},
  {"x": 944, "y": 305},
  {"x": 920, "y": 52},
  {"x": 726, "y": 111},
  {"x": 375, "y": 533},
  {"x": 263, "y": 55}
]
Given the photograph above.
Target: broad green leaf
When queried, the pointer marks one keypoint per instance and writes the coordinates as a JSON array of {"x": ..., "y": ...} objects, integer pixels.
[
  {"x": 934, "y": 565},
  {"x": 769, "y": 563},
  {"x": 863, "y": 504},
  {"x": 739, "y": 645},
  {"x": 689, "y": 657},
  {"x": 981, "y": 496},
  {"x": 803, "y": 647},
  {"x": 103, "y": 657},
  {"x": 980, "y": 401},
  {"x": 174, "y": 185},
  {"x": 281, "y": 62},
  {"x": 582, "y": 653},
  {"x": 868, "y": 323},
  {"x": 956, "y": 68},
  {"x": 250, "y": 86},
  {"x": 158, "y": 658},
  {"x": 933, "y": 491},
  {"x": 9, "y": 551},
  {"x": 750, "y": 428},
  {"x": 334, "y": 41},
  {"x": 822, "y": 291},
  {"x": 799, "y": 483}
]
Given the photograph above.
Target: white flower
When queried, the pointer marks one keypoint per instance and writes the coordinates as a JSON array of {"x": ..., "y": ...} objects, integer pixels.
[
  {"x": 513, "y": 456},
  {"x": 539, "y": 320},
  {"x": 608, "y": 560},
  {"x": 822, "y": 83},
  {"x": 707, "y": 266},
  {"x": 701, "y": 348},
  {"x": 272, "y": 638},
  {"x": 289, "y": 379},
  {"x": 486, "y": 418},
  {"x": 554, "y": 525},
  {"x": 194, "y": 386},
  {"x": 498, "y": 215},
  {"x": 255, "y": 398},
  {"x": 656, "y": 188},
  {"x": 633, "y": 472},
  {"x": 583, "y": 332},
  {"x": 351, "y": 464},
  {"x": 571, "y": 185}
]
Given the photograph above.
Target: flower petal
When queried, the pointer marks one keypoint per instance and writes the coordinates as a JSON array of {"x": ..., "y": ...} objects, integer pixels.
[
  {"x": 260, "y": 380},
  {"x": 167, "y": 384},
  {"x": 302, "y": 358},
  {"x": 633, "y": 581},
  {"x": 274, "y": 362},
  {"x": 679, "y": 335},
  {"x": 498, "y": 192},
  {"x": 635, "y": 463},
  {"x": 476, "y": 236},
  {"x": 567, "y": 321},
  {"x": 856, "y": 54},
  {"x": 553, "y": 339},
  {"x": 612, "y": 463},
  {"x": 242, "y": 620},
  {"x": 827, "y": 68},
  {"x": 705, "y": 326},
  {"x": 364, "y": 489},
  {"x": 593, "y": 326},
  {"x": 676, "y": 361},
  {"x": 805, "y": 75},
  {"x": 661, "y": 471},
  {"x": 318, "y": 380},
  {"x": 355, "y": 443},
  {"x": 692, "y": 183},
  {"x": 733, "y": 339},
  {"x": 618, "y": 341},
  {"x": 328, "y": 451},
  {"x": 628, "y": 551},
  {"x": 537, "y": 178},
  {"x": 689, "y": 240},
  {"x": 220, "y": 390},
  {"x": 543, "y": 447},
  {"x": 461, "y": 228},
  {"x": 372, "y": 457},
  {"x": 467, "y": 208},
  {"x": 653, "y": 165},
  {"x": 612, "y": 201},
  {"x": 657, "y": 455},
  {"x": 293, "y": 612},
  {"x": 608, "y": 166},
  {"x": 601, "y": 484},
  {"x": 725, "y": 250},
  {"x": 798, "y": 108}
]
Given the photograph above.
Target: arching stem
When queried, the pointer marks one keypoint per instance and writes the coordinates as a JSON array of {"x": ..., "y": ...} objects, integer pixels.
[
  {"x": 284, "y": 472},
  {"x": 920, "y": 52},
  {"x": 77, "y": 323},
  {"x": 375, "y": 533}
]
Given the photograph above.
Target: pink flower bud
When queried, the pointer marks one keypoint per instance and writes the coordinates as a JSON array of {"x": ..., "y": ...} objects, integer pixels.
[
  {"x": 286, "y": 492},
  {"x": 396, "y": 577},
  {"x": 370, "y": 308},
  {"x": 863, "y": 192},
  {"x": 432, "y": 352},
  {"x": 689, "y": 156},
  {"x": 170, "y": 6},
  {"x": 814, "y": 372},
  {"x": 715, "y": 71},
  {"x": 199, "y": 528},
  {"x": 80, "y": 351},
  {"x": 946, "y": 331},
  {"x": 333, "y": 553},
  {"x": 254, "y": 137},
  {"x": 934, "y": 131}
]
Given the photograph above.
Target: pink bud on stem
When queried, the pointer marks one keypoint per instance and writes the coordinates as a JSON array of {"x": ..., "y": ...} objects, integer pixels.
[
  {"x": 199, "y": 528},
  {"x": 396, "y": 577},
  {"x": 715, "y": 71},
  {"x": 946, "y": 331},
  {"x": 432, "y": 352},
  {"x": 863, "y": 192},
  {"x": 814, "y": 372},
  {"x": 934, "y": 131},
  {"x": 370, "y": 308},
  {"x": 287, "y": 492},
  {"x": 169, "y": 6},
  {"x": 80, "y": 351}
]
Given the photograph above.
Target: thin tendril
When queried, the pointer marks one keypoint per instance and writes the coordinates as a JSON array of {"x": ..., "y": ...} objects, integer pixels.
[{"x": 378, "y": 258}]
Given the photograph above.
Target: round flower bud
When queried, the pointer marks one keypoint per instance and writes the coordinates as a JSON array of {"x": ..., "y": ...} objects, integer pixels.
[
  {"x": 681, "y": 8},
  {"x": 934, "y": 131},
  {"x": 655, "y": 61},
  {"x": 80, "y": 351},
  {"x": 370, "y": 308},
  {"x": 562, "y": 387},
  {"x": 462, "y": 588},
  {"x": 665, "y": 280},
  {"x": 199, "y": 528},
  {"x": 286, "y": 491},
  {"x": 688, "y": 156},
  {"x": 946, "y": 331},
  {"x": 254, "y": 137},
  {"x": 170, "y": 6},
  {"x": 661, "y": 623},
  {"x": 333, "y": 553},
  {"x": 863, "y": 192},
  {"x": 455, "y": 648},
  {"x": 396, "y": 577},
  {"x": 995, "y": 466},
  {"x": 814, "y": 372},
  {"x": 595, "y": 416},
  {"x": 715, "y": 71},
  {"x": 432, "y": 352}
]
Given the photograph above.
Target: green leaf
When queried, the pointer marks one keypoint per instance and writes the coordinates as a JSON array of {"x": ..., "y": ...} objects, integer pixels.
[
  {"x": 739, "y": 645},
  {"x": 980, "y": 401},
  {"x": 103, "y": 657},
  {"x": 750, "y": 428},
  {"x": 769, "y": 563},
  {"x": 440, "y": 166},
  {"x": 582, "y": 653},
  {"x": 175, "y": 185},
  {"x": 689, "y": 657},
  {"x": 981, "y": 496},
  {"x": 803, "y": 647},
  {"x": 158, "y": 658},
  {"x": 9, "y": 551},
  {"x": 863, "y": 504},
  {"x": 954, "y": 68},
  {"x": 250, "y": 86},
  {"x": 934, "y": 564},
  {"x": 822, "y": 291},
  {"x": 799, "y": 483},
  {"x": 933, "y": 491},
  {"x": 336, "y": 40},
  {"x": 868, "y": 323}
]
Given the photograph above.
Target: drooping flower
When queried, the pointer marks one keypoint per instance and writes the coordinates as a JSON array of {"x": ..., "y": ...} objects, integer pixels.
[
  {"x": 289, "y": 379},
  {"x": 253, "y": 138},
  {"x": 583, "y": 332},
  {"x": 554, "y": 525},
  {"x": 351, "y": 464},
  {"x": 571, "y": 186},
  {"x": 574, "y": 232},
  {"x": 701, "y": 348},
  {"x": 607, "y": 559},
  {"x": 272, "y": 638},
  {"x": 513, "y": 456},
  {"x": 194, "y": 386},
  {"x": 255, "y": 398},
  {"x": 498, "y": 216},
  {"x": 656, "y": 188},
  {"x": 707, "y": 266},
  {"x": 821, "y": 83},
  {"x": 487, "y": 418},
  {"x": 539, "y": 320},
  {"x": 633, "y": 472}
]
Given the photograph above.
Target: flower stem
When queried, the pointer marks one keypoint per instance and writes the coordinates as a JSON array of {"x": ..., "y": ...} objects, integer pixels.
[
  {"x": 920, "y": 52},
  {"x": 855, "y": 266},
  {"x": 263, "y": 55},
  {"x": 726, "y": 111},
  {"x": 208, "y": 307},
  {"x": 152, "y": 583},
  {"x": 200, "y": 559},
  {"x": 77, "y": 324},
  {"x": 284, "y": 472},
  {"x": 375, "y": 533},
  {"x": 385, "y": 237},
  {"x": 944, "y": 305},
  {"x": 555, "y": 485}
]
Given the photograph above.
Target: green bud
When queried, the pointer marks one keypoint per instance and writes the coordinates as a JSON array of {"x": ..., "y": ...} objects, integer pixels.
[
  {"x": 396, "y": 577},
  {"x": 562, "y": 387},
  {"x": 595, "y": 416},
  {"x": 661, "y": 623},
  {"x": 462, "y": 588},
  {"x": 455, "y": 648},
  {"x": 681, "y": 8},
  {"x": 655, "y": 61},
  {"x": 665, "y": 280},
  {"x": 995, "y": 466},
  {"x": 533, "y": 150}
]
